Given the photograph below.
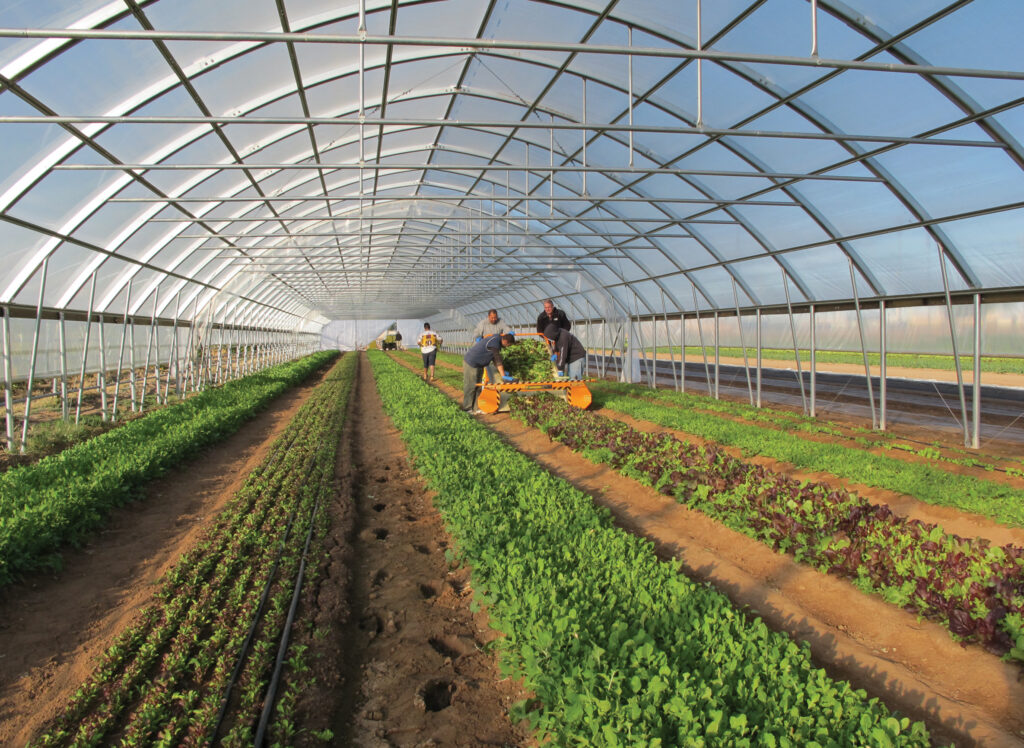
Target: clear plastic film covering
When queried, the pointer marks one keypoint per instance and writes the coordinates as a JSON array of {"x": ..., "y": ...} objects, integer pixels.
[{"x": 269, "y": 165}]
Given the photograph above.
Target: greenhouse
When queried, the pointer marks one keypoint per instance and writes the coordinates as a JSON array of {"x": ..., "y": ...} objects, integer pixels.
[{"x": 512, "y": 372}]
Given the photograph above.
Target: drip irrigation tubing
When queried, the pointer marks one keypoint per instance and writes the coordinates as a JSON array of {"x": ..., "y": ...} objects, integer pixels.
[
  {"x": 270, "y": 700},
  {"x": 258, "y": 617}
]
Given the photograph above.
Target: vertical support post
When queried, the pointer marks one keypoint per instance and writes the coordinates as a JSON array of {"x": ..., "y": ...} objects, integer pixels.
[
  {"x": 956, "y": 351},
  {"x": 668, "y": 339},
  {"x": 682, "y": 351},
  {"x": 883, "y": 355},
  {"x": 812, "y": 322},
  {"x": 8, "y": 382},
  {"x": 743, "y": 343},
  {"x": 131, "y": 366},
  {"x": 172, "y": 350},
  {"x": 717, "y": 353},
  {"x": 654, "y": 344},
  {"x": 586, "y": 350},
  {"x": 976, "y": 389},
  {"x": 120, "y": 355},
  {"x": 863, "y": 347},
  {"x": 700, "y": 335},
  {"x": 35, "y": 352},
  {"x": 149, "y": 353},
  {"x": 796, "y": 349},
  {"x": 85, "y": 350},
  {"x": 604, "y": 347},
  {"x": 758, "y": 399},
  {"x": 63, "y": 342},
  {"x": 101, "y": 381}
]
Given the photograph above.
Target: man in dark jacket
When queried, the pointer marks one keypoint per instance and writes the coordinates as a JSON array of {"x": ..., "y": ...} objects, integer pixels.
[
  {"x": 550, "y": 315},
  {"x": 568, "y": 352},
  {"x": 480, "y": 354}
]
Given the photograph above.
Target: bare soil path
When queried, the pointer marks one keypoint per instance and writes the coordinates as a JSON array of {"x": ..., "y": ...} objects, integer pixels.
[
  {"x": 967, "y": 696},
  {"x": 419, "y": 673}
]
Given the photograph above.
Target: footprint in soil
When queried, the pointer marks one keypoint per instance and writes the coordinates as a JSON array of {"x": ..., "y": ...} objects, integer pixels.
[
  {"x": 459, "y": 586},
  {"x": 435, "y": 695},
  {"x": 452, "y": 646},
  {"x": 381, "y": 577},
  {"x": 428, "y": 591},
  {"x": 381, "y": 533},
  {"x": 421, "y": 549},
  {"x": 379, "y": 507},
  {"x": 371, "y": 624}
]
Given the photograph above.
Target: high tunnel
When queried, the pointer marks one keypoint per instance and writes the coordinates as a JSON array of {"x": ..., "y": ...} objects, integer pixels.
[{"x": 268, "y": 177}]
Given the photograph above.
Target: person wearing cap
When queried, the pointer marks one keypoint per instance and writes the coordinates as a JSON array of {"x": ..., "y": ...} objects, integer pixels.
[
  {"x": 552, "y": 315},
  {"x": 568, "y": 352},
  {"x": 492, "y": 325},
  {"x": 428, "y": 342},
  {"x": 479, "y": 355}
]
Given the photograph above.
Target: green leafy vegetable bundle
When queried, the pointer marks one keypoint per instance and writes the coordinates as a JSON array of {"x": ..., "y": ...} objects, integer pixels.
[{"x": 528, "y": 360}]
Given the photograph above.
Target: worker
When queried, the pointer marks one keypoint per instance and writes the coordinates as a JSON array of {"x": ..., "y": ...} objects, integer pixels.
[
  {"x": 491, "y": 325},
  {"x": 428, "y": 342},
  {"x": 482, "y": 352},
  {"x": 568, "y": 353},
  {"x": 552, "y": 314}
]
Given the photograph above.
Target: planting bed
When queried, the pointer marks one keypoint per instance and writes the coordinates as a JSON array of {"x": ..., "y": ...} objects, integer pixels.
[
  {"x": 911, "y": 663},
  {"x": 402, "y": 660}
]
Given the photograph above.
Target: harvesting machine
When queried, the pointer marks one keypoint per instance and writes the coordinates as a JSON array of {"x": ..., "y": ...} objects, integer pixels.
[{"x": 494, "y": 397}]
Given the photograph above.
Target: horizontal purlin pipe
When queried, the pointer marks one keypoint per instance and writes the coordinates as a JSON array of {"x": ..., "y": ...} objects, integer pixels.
[
  {"x": 433, "y": 199},
  {"x": 494, "y": 124},
  {"x": 355, "y": 166},
  {"x": 471, "y": 45}
]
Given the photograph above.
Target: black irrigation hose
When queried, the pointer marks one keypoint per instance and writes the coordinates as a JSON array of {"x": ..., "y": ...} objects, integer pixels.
[
  {"x": 270, "y": 700},
  {"x": 247, "y": 643}
]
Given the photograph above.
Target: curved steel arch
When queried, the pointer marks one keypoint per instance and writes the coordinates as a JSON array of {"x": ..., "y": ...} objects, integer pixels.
[{"x": 220, "y": 273}]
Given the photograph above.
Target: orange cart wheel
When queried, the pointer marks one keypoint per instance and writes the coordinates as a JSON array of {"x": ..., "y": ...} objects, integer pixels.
[
  {"x": 489, "y": 400},
  {"x": 579, "y": 396}
]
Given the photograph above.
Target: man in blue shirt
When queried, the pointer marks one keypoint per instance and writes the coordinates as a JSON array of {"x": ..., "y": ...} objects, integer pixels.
[{"x": 480, "y": 354}]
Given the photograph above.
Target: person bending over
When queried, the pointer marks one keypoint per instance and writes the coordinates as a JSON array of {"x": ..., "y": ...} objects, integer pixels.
[
  {"x": 480, "y": 354},
  {"x": 568, "y": 352}
]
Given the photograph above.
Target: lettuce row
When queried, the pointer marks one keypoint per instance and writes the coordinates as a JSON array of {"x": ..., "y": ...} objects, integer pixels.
[
  {"x": 972, "y": 587},
  {"x": 932, "y": 485},
  {"x": 162, "y": 681},
  {"x": 62, "y": 498},
  {"x": 618, "y": 647}
]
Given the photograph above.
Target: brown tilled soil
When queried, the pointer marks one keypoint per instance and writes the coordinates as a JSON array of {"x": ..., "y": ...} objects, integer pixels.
[
  {"x": 398, "y": 658},
  {"x": 55, "y": 626},
  {"x": 414, "y": 661},
  {"x": 967, "y": 696}
]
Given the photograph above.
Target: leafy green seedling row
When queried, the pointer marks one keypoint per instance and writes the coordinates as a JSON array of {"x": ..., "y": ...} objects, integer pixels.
[
  {"x": 618, "y": 647},
  {"x": 973, "y": 588},
  {"x": 998, "y": 501},
  {"x": 61, "y": 499},
  {"x": 992, "y": 364},
  {"x": 164, "y": 679},
  {"x": 798, "y": 425}
]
